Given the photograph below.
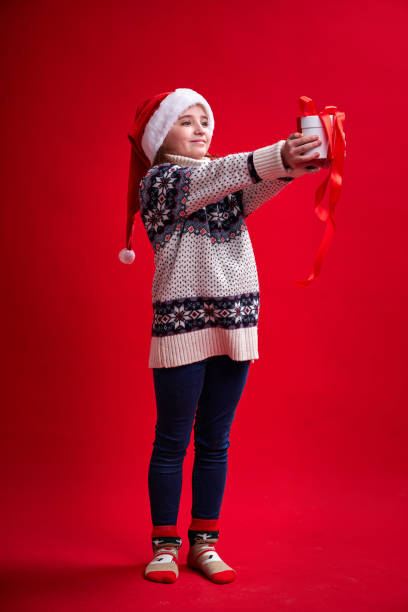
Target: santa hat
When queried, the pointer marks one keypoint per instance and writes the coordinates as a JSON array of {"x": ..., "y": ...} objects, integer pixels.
[{"x": 153, "y": 120}]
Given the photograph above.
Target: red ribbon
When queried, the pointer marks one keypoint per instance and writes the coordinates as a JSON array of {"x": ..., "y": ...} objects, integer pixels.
[{"x": 336, "y": 150}]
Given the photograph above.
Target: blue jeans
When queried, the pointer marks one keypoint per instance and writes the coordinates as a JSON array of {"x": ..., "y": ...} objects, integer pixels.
[{"x": 207, "y": 391}]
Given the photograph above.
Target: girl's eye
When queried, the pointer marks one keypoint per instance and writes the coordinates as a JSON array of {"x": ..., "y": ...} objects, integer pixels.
[{"x": 204, "y": 122}]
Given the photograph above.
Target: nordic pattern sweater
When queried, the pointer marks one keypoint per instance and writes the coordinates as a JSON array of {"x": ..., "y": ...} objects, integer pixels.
[{"x": 205, "y": 291}]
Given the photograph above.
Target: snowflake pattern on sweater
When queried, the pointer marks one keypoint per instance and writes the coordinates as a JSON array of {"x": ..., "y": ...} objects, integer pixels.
[
  {"x": 197, "y": 313},
  {"x": 164, "y": 193}
]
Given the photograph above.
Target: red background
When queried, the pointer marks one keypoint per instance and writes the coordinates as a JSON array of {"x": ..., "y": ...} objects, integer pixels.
[{"x": 314, "y": 513}]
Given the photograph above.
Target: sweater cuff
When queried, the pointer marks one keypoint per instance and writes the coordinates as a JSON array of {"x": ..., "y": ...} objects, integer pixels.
[{"x": 268, "y": 161}]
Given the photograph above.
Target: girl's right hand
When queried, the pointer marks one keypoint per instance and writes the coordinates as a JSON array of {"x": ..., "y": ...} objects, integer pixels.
[{"x": 297, "y": 152}]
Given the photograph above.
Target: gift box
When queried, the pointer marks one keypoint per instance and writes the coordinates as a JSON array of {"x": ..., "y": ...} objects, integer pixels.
[
  {"x": 328, "y": 125},
  {"x": 312, "y": 125}
]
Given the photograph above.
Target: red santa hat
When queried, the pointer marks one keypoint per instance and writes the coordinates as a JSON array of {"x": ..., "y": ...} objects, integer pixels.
[{"x": 153, "y": 120}]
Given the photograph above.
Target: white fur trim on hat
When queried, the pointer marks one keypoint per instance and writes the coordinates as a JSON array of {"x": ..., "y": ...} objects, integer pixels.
[{"x": 161, "y": 122}]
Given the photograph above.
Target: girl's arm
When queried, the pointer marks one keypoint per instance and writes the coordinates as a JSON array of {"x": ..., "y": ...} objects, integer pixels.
[
  {"x": 255, "y": 195},
  {"x": 265, "y": 187},
  {"x": 179, "y": 191}
]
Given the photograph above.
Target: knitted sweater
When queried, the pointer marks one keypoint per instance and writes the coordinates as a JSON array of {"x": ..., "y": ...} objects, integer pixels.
[{"x": 205, "y": 289}]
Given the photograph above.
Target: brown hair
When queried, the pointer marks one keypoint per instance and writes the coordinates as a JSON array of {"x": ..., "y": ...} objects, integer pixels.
[{"x": 160, "y": 159}]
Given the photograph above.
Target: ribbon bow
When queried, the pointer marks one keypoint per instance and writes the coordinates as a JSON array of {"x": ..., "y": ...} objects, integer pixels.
[{"x": 336, "y": 153}]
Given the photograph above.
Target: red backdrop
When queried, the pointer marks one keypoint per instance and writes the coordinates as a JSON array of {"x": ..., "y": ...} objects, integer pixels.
[{"x": 320, "y": 433}]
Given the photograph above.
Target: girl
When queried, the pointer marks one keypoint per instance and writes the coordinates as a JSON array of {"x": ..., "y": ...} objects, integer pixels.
[{"x": 205, "y": 298}]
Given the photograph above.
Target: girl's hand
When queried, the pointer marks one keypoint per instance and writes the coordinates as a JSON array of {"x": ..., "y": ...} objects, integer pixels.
[{"x": 297, "y": 152}]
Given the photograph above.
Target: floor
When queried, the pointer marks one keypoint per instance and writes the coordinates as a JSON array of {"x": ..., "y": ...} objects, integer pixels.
[{"x": 318, "y": 543}]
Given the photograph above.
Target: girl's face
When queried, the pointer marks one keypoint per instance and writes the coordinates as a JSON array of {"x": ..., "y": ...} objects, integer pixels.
[{"x": 190, "y": 135}]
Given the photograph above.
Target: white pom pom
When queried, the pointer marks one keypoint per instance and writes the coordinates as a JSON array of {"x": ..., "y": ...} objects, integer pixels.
[{"x": 127, "y": 256}]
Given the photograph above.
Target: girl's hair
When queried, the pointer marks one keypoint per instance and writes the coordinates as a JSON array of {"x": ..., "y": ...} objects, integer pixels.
[{"x": 160, "y": 159}]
